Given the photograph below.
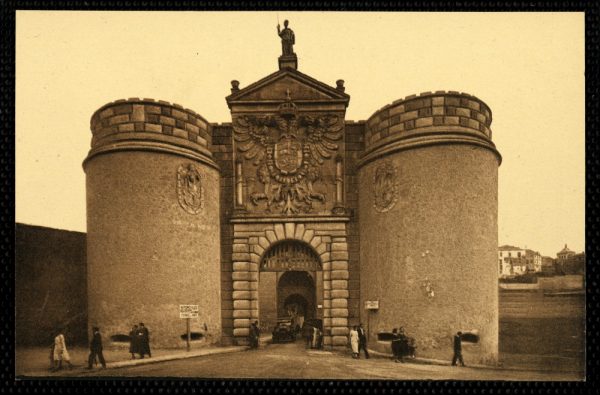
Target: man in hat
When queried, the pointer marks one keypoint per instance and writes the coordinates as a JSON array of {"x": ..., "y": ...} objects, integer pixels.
[
  {"x": 362, "y": 341},
  {"x": 144, "y": 340},
  {"x": 134, "y": 343},
  {"x": 254, "y": 335},
  {"x": 458, "y": 349},
  {"x": 96, "y": 348}
]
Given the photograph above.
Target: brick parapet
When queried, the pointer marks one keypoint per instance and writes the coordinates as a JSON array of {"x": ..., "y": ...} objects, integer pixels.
[
  {"x": 429, "y": 118},
  {"x": 147, "y": 123}
]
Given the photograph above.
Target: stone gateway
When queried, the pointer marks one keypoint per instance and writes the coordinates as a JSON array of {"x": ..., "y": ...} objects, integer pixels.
[{"x": 290, "y": 211}]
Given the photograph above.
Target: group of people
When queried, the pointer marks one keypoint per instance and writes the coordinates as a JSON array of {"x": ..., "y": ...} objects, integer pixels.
[
  {"x": 59, "y": 353},
  {"x": 139, "y": 341},
  {"x": 139, "y": 344},
  {"x": 313, "y": 336},
  {"x": 358, "y": 341},
  {"x": 402, "y": 345}
]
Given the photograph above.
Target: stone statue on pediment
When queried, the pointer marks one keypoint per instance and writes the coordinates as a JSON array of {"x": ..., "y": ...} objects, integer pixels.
[{"x": 287, "y": 39}]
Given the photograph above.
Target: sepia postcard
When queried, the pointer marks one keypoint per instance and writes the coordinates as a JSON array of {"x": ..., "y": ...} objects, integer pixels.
[{"x": 300, "y": 195}]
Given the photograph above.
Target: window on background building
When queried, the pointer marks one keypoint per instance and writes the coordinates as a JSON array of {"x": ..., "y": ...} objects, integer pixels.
[
  {"x": 519, "y": 254},
  {"x": 510, "y": 254}
]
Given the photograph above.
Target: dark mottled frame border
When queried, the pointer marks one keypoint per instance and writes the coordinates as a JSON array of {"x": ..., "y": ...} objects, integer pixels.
[{"x": 155, "y": 386}]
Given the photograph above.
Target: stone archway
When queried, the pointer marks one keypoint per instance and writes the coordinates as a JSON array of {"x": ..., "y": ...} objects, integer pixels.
[
  {"x": 327, "y": 240},
  {"x": 288, "y": 269}
]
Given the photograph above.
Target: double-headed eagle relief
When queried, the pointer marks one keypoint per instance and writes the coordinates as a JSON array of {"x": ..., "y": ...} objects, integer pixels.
[{"x": 288, "y": 151}]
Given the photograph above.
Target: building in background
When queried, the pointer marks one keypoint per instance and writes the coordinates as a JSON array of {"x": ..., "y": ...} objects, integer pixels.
[
  {"x": 533, "y": 260},
  {"x": 548, "y": 265},
  {"x": 515, "y": 261},
  {"x": 564, "y": 254},
  {"x": 569, "y": 262}
]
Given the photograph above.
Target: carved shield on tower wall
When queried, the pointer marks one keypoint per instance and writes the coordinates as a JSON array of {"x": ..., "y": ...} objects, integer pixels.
[
  {"x": 190, "y": 191},
  {"x": 385, "y": 189},
  {"x": 288, "y": 154}
]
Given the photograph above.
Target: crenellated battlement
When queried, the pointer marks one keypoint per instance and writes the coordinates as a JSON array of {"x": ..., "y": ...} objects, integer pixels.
[
  {"x": 147, "y": 121},
  {"x": 426, "y": 118}
]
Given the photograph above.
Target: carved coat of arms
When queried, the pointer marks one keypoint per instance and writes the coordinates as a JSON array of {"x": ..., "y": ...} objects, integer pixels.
[
  {"x": 190, "y": 191},
  {"x": 385, "y": 191},
  {"x": 288, "y": 151}
]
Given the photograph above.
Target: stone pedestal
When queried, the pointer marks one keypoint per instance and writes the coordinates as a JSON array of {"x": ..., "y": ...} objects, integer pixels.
[{"x": 288, "y": 62}]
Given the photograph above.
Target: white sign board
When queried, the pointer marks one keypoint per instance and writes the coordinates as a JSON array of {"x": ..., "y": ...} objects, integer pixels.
[
  {"x": 188, "y": 311},
  {"x": 371, "y": 304}
]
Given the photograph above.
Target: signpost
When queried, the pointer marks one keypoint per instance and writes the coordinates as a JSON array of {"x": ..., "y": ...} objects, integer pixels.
[
  {"x": 188, "y": 311},
  {"x": 370, "y": 305}
]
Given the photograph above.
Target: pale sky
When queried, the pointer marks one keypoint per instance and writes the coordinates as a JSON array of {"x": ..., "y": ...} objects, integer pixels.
[{"x": 528, "y": 67}]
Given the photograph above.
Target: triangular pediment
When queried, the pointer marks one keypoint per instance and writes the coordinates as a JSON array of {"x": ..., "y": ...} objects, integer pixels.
[{"x": 274, "y": 88}]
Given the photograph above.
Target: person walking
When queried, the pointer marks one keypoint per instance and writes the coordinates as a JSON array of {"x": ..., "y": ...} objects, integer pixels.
[
  {"x": 396, "y": 346},
  {"x": 362, "y": 341},
  {"x": 60, "y": 353},
  {"x": 315, "y": 337},
  {"x": 458, "y": 349},
  {"x": 308, "y": 333},
  {"x": 96, "y": 348},
  {"x": 254, "y": 334},
  {"x": 354, "y": 342},
  {"x": 134, "y": 347},
  {"x": 145, "y": 340}
]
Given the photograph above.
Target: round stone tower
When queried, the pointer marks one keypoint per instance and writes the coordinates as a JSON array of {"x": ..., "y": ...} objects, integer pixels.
[
  {"x": 428, "y": 208},
  {"x": 152, "y": 222}
]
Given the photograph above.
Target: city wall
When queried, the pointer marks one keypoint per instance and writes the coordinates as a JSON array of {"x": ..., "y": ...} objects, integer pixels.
[{"x": 50, "y": 285}]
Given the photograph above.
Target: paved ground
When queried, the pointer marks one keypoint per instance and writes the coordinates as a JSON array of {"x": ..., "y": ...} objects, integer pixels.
[
  {"x": 294, "y": 362},
  {"x": 35, "y": 361}
]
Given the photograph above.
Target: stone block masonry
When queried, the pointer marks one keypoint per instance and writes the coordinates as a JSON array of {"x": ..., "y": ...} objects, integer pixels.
[
  {"x": 412, "y": 116},
  {"x": 428, "y": 223},
  {"x": 147, "y": 120},
  {"x": 253, "y": 240},
  {"x": 152, "y": 222}
]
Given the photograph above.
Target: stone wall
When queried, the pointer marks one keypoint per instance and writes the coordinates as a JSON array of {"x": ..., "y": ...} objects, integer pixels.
[
  {"x": 222, "y": 149},
  {"x": 50, "y": 285},
  {"x": 354, "y": 149},
  {"x": 428, "y": 223},
  {"x": 153, "y": 225}
]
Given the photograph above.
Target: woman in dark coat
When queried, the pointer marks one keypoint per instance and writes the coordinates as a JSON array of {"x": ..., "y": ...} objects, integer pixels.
[{"x": 134, "y": 344}]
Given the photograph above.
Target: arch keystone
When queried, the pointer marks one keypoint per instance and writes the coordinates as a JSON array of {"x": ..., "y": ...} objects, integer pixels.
[{"x": 290, "y": 229}]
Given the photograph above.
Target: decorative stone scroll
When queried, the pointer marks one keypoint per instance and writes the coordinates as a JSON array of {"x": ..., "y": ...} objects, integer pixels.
[
  {"x": 385, "y": 188},
  {"x": 190, "y": 191}
]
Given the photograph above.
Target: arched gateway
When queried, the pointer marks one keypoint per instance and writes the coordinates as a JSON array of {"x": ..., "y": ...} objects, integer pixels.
[
  {"x": 290, "y": 284},
  {"x": 296, "y": 265}
]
